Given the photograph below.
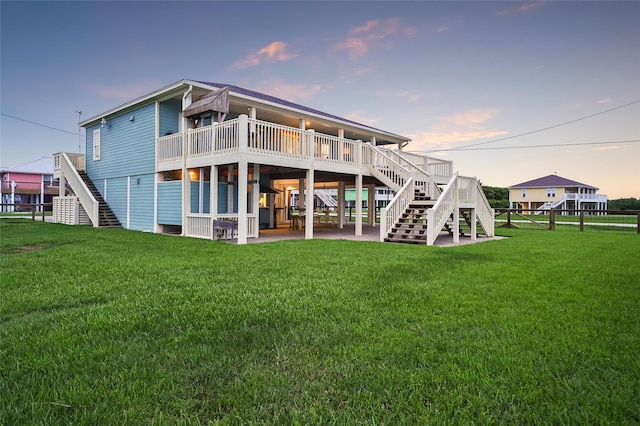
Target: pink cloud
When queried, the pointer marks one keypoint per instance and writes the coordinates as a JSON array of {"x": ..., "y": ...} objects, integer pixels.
[
  {"x": 355, "y": 46},
  {"x": 459, "y": 127},
  {"x": 273, "y": 52},
  {"x": 360, "y": 39}
]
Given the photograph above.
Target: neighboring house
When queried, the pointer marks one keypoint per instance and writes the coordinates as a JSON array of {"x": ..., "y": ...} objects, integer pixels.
[
  {"x": 29, "y": 183},
  {"x": 556, "y": 192},
  {"x": 194, "y": 156}
]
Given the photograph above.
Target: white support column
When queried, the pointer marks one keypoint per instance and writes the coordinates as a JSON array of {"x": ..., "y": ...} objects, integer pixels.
[
  {"x": 308, "y": 234},
  {"x": 474, "y": 231},
  {"x": 252, "y": 116},
  {"x": 371, "y": 203},
  {"x": 62, "y": 183},
  {"x": 373, "y": 140},
  {"x": 341, "y": 204},
  {"x": 456, "y": 214},
  {"x": 213, "y": 192},
  {"x": 41, "y": 207},
  {"x": 358, "y": 204},
  {"x": 186, "y": 179},
  {"x": 13, "y": 196},
  {"x": 243, "y": 183},
  {"x": 156, "y": 178}
]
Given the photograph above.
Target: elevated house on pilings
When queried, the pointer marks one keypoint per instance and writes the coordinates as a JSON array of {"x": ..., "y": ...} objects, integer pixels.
[{"x": 204, "y": 160}]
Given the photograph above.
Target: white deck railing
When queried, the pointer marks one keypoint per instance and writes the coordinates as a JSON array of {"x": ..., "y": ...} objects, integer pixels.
[
  {"x": 200, "y": 225},
  {"x": 333, "y": 149},
  {"x": 76, "y": 160},
  {"x": 169, "y": 147},
  {"x": 290, "y": 142},
  {"x": 433, "y": 166},
  {"x": 390, "y": 214},
  {"x": 277, "y": 139},
  {"x": 438, "y": 167}
]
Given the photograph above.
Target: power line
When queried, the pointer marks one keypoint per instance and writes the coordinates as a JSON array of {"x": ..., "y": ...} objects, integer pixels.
[
  {"x": 462, "y": 148},
  {"x": 39, "y": 124},
  {"x": 550, "y": 145}
]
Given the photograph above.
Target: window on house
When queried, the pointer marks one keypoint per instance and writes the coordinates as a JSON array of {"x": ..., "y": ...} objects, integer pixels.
[
  {"x": 551, "y": 192},
  {"x": 524, "y": 193},
  {"x": 96, "y": 144}
]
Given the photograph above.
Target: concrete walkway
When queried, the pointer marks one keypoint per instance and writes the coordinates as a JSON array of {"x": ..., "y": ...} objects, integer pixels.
[{"x": 332, "y": 232}]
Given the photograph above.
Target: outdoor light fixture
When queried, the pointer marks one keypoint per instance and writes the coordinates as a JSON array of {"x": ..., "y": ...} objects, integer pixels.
[
  {"x": 104, "y": 123},
  {"x": 132, "y": 119}
]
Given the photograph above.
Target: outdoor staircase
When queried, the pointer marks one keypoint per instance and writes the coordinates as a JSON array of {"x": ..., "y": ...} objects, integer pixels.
[
  {"x": 411, "y": 227},
  {"x": 106, "y": 217},
  {"x": 466, "y": 228}
]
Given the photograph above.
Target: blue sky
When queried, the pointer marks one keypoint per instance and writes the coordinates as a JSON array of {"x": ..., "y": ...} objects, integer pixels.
[{"x": 446, "y": 74}]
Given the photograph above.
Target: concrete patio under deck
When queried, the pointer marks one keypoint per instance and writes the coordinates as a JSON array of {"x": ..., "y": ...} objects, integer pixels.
[{"x": 332, "y": 232}]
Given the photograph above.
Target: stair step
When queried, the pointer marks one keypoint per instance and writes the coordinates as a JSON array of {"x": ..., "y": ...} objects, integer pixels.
[{"x": 106, "y": 218}]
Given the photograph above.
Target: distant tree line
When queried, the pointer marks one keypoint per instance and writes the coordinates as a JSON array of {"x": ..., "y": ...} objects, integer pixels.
[
  {"x": 624, "y": 204},
  {"x": 498, "y": 197}
]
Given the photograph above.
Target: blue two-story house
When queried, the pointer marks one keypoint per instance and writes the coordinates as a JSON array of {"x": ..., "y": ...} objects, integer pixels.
[{"x": 197, "y": 159}]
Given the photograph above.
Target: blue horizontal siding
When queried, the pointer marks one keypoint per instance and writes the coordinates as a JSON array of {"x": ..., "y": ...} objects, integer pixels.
[
  {"x": 117, "y": 198},
  {"x": 195, "y": 197},
  {"x": 170, "y": 112},
  {"x": 127, "y": 150},
  {"x": 170, "y": 203},
  {"x": 141, "y": 203}
]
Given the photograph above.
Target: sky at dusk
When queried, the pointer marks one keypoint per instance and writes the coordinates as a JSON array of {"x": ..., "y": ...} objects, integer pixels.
[{"x": 510, "y": 91}]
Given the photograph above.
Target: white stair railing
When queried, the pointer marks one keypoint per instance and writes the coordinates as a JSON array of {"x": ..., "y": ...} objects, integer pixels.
[
  {"x": 326, "y": 198},
  {"x": 484, "y": 212},
  {"x": 419, "y": 174},
  {"x": 86, "y": 198},
  {"x": 438, "y": 215},
  {"x": 389, "y": 215},
  {"x": 383, "y": 167},
  {"x": 550, "y": 205}
]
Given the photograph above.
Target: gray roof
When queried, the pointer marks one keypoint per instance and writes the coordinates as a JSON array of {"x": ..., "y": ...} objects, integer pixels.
[
  {"x": 280, "y": 101},
  {"x": 551, "y": 181},
  {"x": 243, "y": 93},
  {"x": 41, "y": 166}
]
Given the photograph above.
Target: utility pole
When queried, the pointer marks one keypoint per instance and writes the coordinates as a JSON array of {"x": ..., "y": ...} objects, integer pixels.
[{"x": 79, "y": 134}]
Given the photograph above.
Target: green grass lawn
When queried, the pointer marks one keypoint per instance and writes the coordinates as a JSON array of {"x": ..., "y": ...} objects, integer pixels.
[{"x": 108, "y": 326}]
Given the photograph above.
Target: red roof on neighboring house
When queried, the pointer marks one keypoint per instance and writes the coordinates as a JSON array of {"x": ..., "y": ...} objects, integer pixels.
[{"x": 551, "y": 181}]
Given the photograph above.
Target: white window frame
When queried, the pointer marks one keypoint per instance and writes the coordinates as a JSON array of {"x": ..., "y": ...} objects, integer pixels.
[{"x": 96, "y": 145}]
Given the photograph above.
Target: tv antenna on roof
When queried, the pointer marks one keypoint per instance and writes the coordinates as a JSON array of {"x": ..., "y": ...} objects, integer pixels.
[{"x": 79, "y": 135}]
